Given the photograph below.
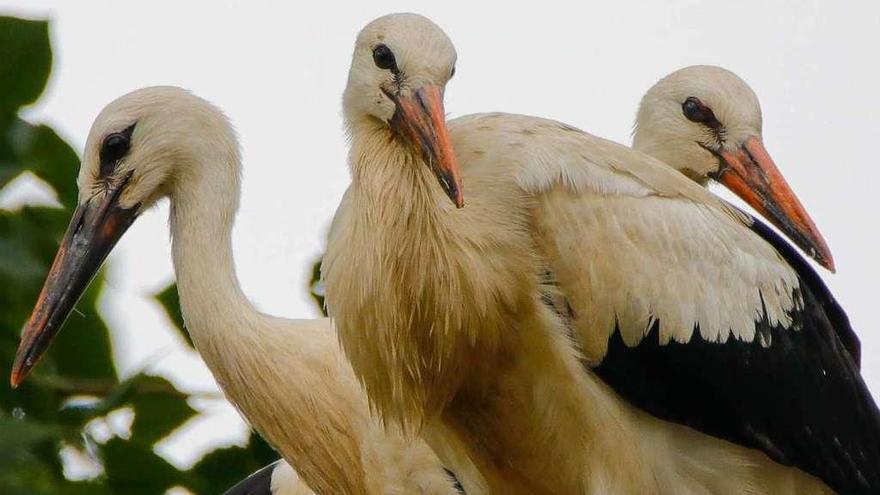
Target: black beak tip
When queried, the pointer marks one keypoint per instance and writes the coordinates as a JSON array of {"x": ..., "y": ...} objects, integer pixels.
[
  {"x": 826, "y": 261},
  {"x": 448, "y": 183}
]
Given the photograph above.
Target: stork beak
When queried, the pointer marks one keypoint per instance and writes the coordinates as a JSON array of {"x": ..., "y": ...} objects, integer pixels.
[
  {"x": 93, "y": 231},
  {"x": 749, "y": 172},
  {"x": 421, "y": 119}
]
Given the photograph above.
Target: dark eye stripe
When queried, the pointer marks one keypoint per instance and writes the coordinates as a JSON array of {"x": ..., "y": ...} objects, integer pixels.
[
  {"x": 695, "y": 111},
  {"x": 113, "y": 149}
]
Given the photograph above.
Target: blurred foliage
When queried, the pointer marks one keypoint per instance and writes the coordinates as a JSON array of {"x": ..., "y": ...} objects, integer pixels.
[
  {"x": 70, "y": 407},
  {"x": 316, "y": 287},
  {"x": 171, "y": 304}
]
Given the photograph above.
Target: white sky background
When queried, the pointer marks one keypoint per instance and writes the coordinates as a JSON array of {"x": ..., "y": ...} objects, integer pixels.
[{"x": 278, "y": 69}]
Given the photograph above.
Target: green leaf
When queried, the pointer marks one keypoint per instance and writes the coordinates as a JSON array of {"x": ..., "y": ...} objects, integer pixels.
[
  {"x": 25, "y": 146},
  {"x": 28, "y": 240},
  {"x": 261, "y": 450},
  {"x": 14, "y": 132},
  {"x": 222, "y": 468},
  {"x": 134, "y": 469},
  {"x": 28, "y": 478},
  {"x": 25, "y": 61},
  {"x": 42, "y": 151},
  {"x": 20, "y": 434},
  {"x": 82, "y": 349},
  {"x": 159, "y": 409},
  {"x": 21, "y": 445},
  {"x": 170, "y": 302},
  {"x": 82, "y": 488}
]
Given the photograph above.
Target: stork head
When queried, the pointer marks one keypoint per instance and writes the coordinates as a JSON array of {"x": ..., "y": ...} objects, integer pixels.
[
  {"x": 140, "y": 148},
  {"x": 399, "y": 70},
  {"x": 706, "y": 122}
]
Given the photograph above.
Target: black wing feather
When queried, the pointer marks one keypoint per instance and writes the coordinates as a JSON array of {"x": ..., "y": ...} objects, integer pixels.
[
  {"x": 259, "y": 483},
  {"x": 799, "y": 399},
  {"x": 836, "y": 316}
]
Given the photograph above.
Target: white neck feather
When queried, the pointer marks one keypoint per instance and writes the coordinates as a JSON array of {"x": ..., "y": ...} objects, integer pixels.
[
  {"x": 218, "y": 315},
  {"x": 287, "y": 377},
  {"x": 389, "y": 175},
  {"x": 244, "y": 348},
  {"x": 398, "y": 269}
]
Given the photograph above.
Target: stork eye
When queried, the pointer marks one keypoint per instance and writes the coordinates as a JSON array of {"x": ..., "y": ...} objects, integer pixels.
[
  {"x": 452, "y": 73},
  {"x": 114, "y": 148},
  {"x": 695, "y": 111},
  {"x": 384, "y": 58}
]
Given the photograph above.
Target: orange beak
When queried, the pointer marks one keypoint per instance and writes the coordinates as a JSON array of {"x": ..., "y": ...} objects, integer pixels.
[
  {"x": 751, "y": 174},
  {"x": 93, "y": 231},
  {"x": 420, "y": 118}
]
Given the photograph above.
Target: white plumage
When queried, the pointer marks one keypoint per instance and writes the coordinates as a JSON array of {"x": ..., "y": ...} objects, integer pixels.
[
  {"x": 288, "y": 378},
  {"x": 443, "y": 312}
]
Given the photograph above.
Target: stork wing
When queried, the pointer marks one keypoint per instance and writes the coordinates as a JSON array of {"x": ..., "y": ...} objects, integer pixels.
[
  {"x": 808, "y": 276},
  {"x": 738, "y": 350},
  {"x": 687, "y": 313}
]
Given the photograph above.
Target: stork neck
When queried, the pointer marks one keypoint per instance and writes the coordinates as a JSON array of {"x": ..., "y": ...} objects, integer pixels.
[
  {"x": 202, "y": 214},
  {"x": 242, "y": 346},
  {"x": 391, "y": 176},
  {"x": 668, "y": 147},
  {"x": 649, "y": 143}
]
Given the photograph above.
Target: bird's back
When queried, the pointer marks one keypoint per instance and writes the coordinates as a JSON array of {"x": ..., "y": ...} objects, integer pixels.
[{"x": 676, "y": 302}]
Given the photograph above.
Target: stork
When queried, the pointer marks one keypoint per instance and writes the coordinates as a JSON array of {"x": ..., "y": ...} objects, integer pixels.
[
  {"x": 665, "y": 129},
  {"x": 676, "y": 123},
  {"x": 705, "y": 356},
  {"x": 705, "y": 122},
  {"x": 287, "y": 377}
]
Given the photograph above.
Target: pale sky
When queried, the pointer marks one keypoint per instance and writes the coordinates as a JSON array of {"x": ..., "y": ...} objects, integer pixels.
[{"x": 278, "y": 70}]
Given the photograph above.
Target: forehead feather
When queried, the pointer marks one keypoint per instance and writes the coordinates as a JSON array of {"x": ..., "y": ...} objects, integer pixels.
[
  {"x": 407, "y": 35},
  {"x": 729, "y": 97},
  {"x": 133, "y": 107}
]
